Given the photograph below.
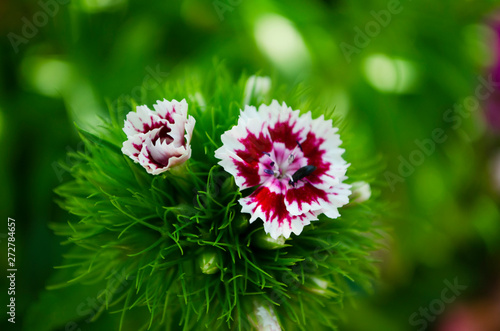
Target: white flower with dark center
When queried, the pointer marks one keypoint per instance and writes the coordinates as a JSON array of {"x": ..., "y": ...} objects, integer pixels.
[
  {"x": 294, "y": 162},
  {"x": 159, "y": 139}
]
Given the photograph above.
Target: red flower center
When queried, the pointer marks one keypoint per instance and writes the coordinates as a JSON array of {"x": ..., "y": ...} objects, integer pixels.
[{"x": 163, "y": 135}]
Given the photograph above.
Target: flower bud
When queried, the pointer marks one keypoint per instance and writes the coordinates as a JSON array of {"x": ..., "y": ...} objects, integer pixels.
[
  {"x": 208, "y": 262},
  {"x": 265, "y": 241},
  {"x": 318, "y": 285},
  {"x": 264, "y": 318},
  {"x": 361, "y": 192}
]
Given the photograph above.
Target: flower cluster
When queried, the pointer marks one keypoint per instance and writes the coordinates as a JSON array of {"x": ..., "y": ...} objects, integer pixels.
[
  {"x": 164, "y": 204},
  {"x": 293, "y": 161}
]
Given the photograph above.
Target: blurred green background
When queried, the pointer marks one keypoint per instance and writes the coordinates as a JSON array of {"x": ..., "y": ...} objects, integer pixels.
[{"x": 398, "y": 72}]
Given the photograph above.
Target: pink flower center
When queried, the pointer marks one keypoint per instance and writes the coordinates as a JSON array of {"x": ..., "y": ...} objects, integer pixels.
[{"x": 282, "y": 163}]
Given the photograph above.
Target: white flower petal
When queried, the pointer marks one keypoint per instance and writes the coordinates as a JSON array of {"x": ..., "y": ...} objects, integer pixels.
[
  {"x": 133, "y": 146},
  {"x": 141, "y": 121},
  {"x": 165, "y": 109}
]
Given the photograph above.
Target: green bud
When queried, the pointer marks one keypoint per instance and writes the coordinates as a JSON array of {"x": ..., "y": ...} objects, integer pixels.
[
  {"x": 319, "y": 286},
  {"x": 361, "y": 191},
  {"x": 264, "y": 317},
  {"x": 208, "y": 262},
  {"x": 265, "y": 241}
]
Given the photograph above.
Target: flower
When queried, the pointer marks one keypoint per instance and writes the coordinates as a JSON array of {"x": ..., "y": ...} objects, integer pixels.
[
  {"x": 262, "y": 240},
  {"x": 319, "y": 286},
  {"x": 159, "y": 139},
  {"x": 294, "y": 161},
  {"x": 207, "y": 262}
]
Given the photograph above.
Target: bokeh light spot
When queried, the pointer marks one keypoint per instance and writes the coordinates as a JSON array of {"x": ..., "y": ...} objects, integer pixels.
[
  {"x": 95, "y": 6},
  {"x": 390, "y": 75},
  {"x": 280, "y": 41},
  {"x": 47, "y": 76},
  {"x": 481, "y": 44}
]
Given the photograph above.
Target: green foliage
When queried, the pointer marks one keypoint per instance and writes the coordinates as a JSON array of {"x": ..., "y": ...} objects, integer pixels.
[{"x": 145, "y": 240}]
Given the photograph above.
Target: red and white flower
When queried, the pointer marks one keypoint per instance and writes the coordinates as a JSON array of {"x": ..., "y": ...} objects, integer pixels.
[
  {"x": 294, "y": 162},
  {"x": 159, "y": 139}
]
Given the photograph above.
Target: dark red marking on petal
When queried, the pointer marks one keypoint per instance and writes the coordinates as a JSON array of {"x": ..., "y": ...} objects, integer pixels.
[
  {"x": 254, "y": 148},
  {"x": 272, "y": 204},
  {"x": 160, "y": 163},
  {"x": 154, "y": 125},
  {"x": 168, "y": 115},
  {"x": 138, "y": 149},
  {"x": 315, "y": 155},
  {"x": 163, "y": 135},
  {"x": 307, "y": 193},
  {"x": 153, "y": 161},
  {"x": 283, "y": 132},
  {"x": 137, "y": 146},
  {"x": 250, "y": 172}
]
